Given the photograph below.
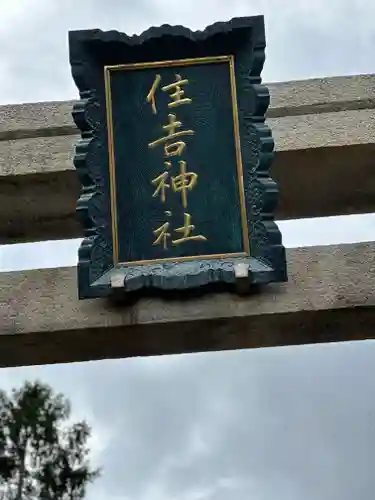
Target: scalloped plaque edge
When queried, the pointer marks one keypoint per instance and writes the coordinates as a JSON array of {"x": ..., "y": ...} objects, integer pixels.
[{"x": 267, "y": 262}]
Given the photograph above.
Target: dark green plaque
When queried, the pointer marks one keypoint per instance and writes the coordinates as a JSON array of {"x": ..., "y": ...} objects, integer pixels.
[{"x": 174, "y": 159}]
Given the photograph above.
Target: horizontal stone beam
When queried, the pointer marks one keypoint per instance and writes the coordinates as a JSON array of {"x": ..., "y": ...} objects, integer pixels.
[
  {"x": 330, "y": 297},
  {"x": 44, "y": 155},
  {"x": 325, "y": 143},
  {"x": 39, "y": 187},
  {"x": 287, "y": 99}
]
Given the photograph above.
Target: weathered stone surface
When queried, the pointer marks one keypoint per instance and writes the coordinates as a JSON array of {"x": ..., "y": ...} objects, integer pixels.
[
  {"x": 45, "y": 155},
  {"x": 40, "y": 155},
  {"x": 343, "y": 128},
  {"x": 287, "y": 98},
  {"x": 36, "y": 119},
  {"x": 323, "y": 164},
  {"x": 322, "y": 95},
  {"x": 330, "y": 297},
  {"x": 313, "y": 182}
]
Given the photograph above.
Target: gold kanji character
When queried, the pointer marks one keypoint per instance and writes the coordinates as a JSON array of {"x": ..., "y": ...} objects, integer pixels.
[
  {"x": 162, "y": 235},
  {"x": 174, "y": 148},
  {"x": 184, "y": 182},
  {"x": 186, "y": 231},
  {"x": 161, "y": 185},
  {"x": 151, "y": 95},
  {"x": 177, "y": 96}
]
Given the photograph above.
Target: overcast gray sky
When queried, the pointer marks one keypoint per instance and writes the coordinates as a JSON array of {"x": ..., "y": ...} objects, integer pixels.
[
  {"x": 287, "y": 423},
  {"x": 306, "y": 38}
]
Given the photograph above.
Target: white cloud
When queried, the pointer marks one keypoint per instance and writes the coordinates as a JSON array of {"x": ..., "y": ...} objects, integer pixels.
[
  {"x": 296, "y": 421},
  {"x": 289, "y": 423},
  {"x": 305, "y": 38}
]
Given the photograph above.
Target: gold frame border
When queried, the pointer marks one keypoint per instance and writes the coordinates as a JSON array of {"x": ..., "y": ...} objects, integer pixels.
[{"x": 112, "y": 170}]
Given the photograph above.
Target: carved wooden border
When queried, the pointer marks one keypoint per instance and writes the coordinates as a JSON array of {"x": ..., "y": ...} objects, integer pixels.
[{"x": 90, "y": 51}]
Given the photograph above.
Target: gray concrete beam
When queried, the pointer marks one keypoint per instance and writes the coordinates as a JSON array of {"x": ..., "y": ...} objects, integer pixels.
[
  {"x": 330, "y": 297},
  {"x": 44, "y": 155},
  {"x": 321, "y": 95},
  {"x": 287, "y": 99},
  {"x": 332, "y": 176},
  {"x": 324, "y": 157}
]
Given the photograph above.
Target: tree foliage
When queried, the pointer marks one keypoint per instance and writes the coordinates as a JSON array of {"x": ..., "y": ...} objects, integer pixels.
[{"x": 42, "y": 456}]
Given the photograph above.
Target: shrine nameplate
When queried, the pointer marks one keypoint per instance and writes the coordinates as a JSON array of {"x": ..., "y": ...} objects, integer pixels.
[{"x": 174, "y": 159}]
